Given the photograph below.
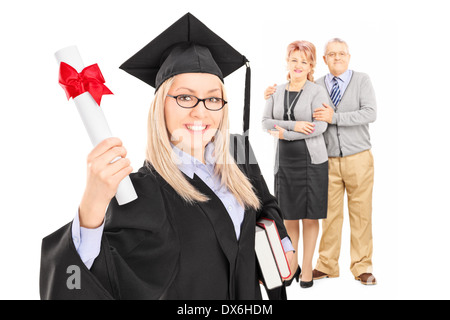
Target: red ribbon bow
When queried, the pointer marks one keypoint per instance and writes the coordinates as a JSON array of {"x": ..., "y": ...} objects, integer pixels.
[{"x": 89, "y": 80}]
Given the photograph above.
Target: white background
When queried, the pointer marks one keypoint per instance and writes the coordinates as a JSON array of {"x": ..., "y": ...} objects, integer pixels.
[{"x": 402, "y": 45}]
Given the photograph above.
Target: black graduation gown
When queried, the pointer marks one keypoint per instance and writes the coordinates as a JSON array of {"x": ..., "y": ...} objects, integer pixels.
[{"x": 160, "y": 247}]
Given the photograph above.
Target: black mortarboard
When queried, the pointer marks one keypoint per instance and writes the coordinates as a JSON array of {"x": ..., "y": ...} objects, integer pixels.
[{"x": 188, "y": 46}]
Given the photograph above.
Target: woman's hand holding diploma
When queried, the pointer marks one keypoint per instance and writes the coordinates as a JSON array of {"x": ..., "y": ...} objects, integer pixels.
[
  {"x": 106, "y": 168},
  {"x": 86, "y": 87}
]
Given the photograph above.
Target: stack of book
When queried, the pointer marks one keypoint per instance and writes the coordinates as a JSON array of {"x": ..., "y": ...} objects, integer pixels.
[{"x": 270, "y": 253}]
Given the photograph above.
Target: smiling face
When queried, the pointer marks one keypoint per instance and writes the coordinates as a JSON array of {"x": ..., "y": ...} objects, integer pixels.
[
  {"x": 337, "y": 58},
  {"x": 192, "y": 129},
  {"x": 298, "y": 66}
]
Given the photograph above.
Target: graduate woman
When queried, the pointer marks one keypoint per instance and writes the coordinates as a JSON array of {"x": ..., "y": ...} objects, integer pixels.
[
  {"x": 301, "y": 171},
  {"x": 191, "y": 232}
]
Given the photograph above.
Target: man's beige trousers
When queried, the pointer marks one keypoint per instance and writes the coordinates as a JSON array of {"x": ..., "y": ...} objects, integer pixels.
[{"x": 353, "y": 174}]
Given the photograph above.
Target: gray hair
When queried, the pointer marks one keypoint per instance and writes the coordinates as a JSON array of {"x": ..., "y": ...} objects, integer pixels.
[{"x": 333, "y": 41}]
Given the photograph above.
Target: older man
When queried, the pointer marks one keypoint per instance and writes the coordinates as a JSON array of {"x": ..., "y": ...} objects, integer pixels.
[{"x": 351, "y": 108}]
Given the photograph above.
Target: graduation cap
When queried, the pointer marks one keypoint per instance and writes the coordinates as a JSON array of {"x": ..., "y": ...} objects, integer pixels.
[{"x": 188, "y": 46}]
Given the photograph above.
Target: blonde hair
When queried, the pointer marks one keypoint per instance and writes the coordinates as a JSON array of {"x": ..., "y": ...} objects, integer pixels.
[
  {"x": 160, "y": 155},
  {"x": 310, "y": 52}
]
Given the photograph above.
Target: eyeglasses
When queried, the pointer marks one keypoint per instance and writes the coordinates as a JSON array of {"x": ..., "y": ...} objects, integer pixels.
[
  {"x": 188, "y": 102},
  {"x": 338, "y": 54}
]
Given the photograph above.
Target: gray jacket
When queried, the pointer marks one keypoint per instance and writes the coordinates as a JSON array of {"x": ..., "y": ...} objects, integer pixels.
[
  {"x": 311, "y": 98},
  {"x": 348, "y": 133}
]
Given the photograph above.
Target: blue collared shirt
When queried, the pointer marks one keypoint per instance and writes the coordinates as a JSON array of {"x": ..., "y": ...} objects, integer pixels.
[
  {"x": 343, "y": 81},
  {"x": 205, "y": 171},
  {"x": 87, "y": 241}
]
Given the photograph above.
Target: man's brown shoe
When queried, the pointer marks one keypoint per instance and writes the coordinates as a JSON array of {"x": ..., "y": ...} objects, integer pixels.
[
  {"x": 367, "y": 279},
  {"x": 317, "y": 275}
]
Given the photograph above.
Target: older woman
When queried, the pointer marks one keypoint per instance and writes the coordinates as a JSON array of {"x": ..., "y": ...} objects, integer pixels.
[
  {"x": 191, "y": 232},
  {"x": 301, "y": 170}
]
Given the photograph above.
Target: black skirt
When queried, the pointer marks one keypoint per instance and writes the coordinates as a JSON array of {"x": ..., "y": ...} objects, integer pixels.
[{"x": 300, "y": 186}]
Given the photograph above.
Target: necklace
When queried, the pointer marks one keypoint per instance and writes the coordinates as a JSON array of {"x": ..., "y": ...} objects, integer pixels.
[{"x": 289, "y": 104}]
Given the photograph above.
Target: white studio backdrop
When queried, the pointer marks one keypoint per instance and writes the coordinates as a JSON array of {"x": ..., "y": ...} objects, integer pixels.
[{"x": 399, "y": 44}]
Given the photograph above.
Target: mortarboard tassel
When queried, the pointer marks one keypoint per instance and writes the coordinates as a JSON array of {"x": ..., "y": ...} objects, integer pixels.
[{"x": 247, "y": 113}]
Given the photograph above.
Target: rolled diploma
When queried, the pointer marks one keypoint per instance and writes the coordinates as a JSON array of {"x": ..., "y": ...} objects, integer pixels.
[{"x": 94, "y": 120}]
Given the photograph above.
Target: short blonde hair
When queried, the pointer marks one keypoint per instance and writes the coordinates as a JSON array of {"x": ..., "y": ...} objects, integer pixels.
[
  {"x": 160, "y": 155},
  {"x": 308, "y": 49}
]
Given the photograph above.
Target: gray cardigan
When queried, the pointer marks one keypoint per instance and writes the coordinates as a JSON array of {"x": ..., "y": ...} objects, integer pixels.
[
  {"x": 348, "y": 132},
  {"x": 311, "y": 98}
]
